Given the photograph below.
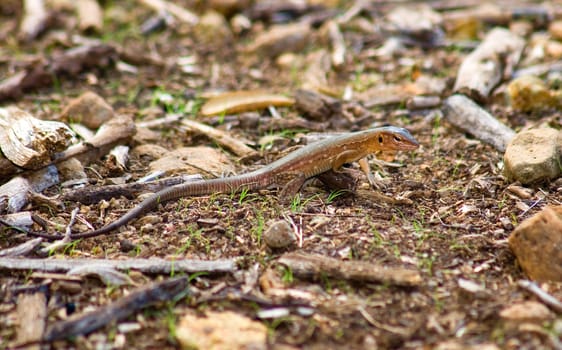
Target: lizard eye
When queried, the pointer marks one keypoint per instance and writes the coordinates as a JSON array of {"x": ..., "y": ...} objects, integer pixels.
[{"x": 397, "y": 139}]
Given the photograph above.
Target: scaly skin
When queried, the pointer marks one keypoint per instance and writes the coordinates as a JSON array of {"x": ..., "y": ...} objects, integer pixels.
[{"x": 302, "y": 164}]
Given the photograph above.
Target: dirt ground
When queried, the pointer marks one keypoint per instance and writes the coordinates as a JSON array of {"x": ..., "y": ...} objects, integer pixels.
[{"x": 453, "y": 228}]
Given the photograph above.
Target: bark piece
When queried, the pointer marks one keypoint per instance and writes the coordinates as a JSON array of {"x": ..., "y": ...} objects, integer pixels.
[
  {"x": 116, "y": 131},
  {"x": 152, "y": 266},
  {"x": 463, "y": 113},
  {"x": 89, "y": 109},
  {"x": 486, "y": 66},
  {"x": 168, "y": 290},
  {"x": 314, "y": 266},
  {"x": 29, "y": 142},
  {"x": 534, "y": 155},
  {"x": 32, "y": 312},
  {"x": 537, "y": 244},
  {"x": 90, "y": 16}
]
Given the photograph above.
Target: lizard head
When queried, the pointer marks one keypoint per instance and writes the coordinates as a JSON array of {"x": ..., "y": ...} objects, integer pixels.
[{"x": 392, "y": 138}]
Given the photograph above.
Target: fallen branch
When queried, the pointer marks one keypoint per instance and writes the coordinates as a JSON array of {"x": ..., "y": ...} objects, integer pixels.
[
  {"x": 169, "y": 290},
  {"x": 235, "y": 145},
  {"x": 468, "y": 116},
  {"x": 151, "y": 266},
  {"x": 313, "y": 266}
]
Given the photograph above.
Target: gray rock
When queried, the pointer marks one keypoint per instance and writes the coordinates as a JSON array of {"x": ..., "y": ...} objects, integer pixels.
[{"x": 534, "y": 155}]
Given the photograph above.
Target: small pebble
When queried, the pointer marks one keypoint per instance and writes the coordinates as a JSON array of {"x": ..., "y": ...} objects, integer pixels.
[{"x": 279, "y": 235}]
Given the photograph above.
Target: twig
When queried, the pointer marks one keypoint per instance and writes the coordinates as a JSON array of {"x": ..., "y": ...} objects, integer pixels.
[
  {"x": 465, "y": 114},
  {"x": 235, "y": 145},
  {"x": 546, "y": 298},
  {"x": 152, "y": 266},
  {"x": 169, "y": 290},
  {"x": 307, "y": 265}
]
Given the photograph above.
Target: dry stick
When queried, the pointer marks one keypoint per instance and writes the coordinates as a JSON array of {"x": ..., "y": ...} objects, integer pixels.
[
  {"x": 485, "y": 67},
  {"x": 307, "y": 265},
  {"x": 169, "y": 290},
  {"x": 177, "y": 11},
  {"x": 463, "y": 113},
  {"x": 223, "y": 139},
  {"x": 546, "y": 298},
  {"x": 151, "y": 266},
  {"x": 34, "y": 20}
]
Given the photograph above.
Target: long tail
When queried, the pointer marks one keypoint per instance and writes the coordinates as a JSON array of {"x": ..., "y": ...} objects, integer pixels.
[{"x": 250, "y": 181}]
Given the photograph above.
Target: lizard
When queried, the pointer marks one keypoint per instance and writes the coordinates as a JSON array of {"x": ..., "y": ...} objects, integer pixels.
[{"x": 309, "y": 161}]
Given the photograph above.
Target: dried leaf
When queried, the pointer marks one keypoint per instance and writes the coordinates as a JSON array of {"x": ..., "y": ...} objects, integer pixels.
[{"x": 243, "y": 101}]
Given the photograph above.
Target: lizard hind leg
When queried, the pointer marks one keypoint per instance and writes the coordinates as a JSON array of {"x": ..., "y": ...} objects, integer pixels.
[{"x": 292, "y": 186}]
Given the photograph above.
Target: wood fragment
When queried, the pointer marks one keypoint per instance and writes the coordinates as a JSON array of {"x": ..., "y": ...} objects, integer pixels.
[
  {"x": 317, "y": 107},
  {"x": 234, "y": 144},
  {"x": 22, "y": 249},
  {"x": 29, "y": 142},
  {"x": 177, "y": 11},
  {"x": 313, "y": 266},
  {"x": 34, "y": 21},
  {"x": 90, "y": 15},
  {"x": 338, "y": 44},
  {"x": 465, "y": 114},
  {"x": 32, "y": 313},
  {"x": 114, "y": 132},
  {"x": 485, "y": 67},
  {"x": 151, "y": 266},
  {"x": 546, "y": 298},
  {"x": 168, "y": 290}
]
